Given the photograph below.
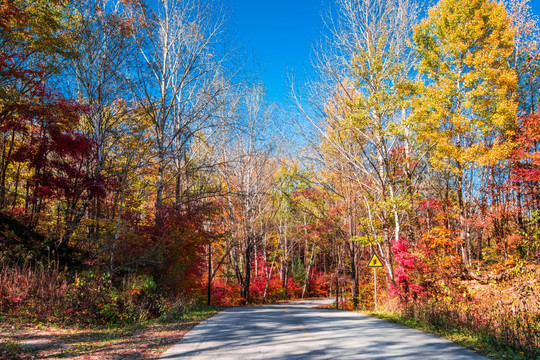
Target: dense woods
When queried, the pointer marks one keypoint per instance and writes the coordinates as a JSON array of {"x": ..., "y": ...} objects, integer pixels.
[{"x": 142, "y": 167}]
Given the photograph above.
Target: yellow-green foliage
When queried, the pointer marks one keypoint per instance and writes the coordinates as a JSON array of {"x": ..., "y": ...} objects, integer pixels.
[{"x": 465, "y": 106}]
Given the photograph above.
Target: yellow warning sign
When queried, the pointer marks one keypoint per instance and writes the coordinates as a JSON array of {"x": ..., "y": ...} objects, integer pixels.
[{"x": 374, "y": 262}]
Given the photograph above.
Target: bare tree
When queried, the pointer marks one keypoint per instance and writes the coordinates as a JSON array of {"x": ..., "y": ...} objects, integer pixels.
[
  {"x": 98, "y": 77},
  {"x": 247, "y": 170},
  {"x": 181, "y": 73},
  {"x": 527, "y": 54}
]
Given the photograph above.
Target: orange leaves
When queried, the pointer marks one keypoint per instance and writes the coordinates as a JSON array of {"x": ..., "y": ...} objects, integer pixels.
[
  {"x": 440, "y": 238},
  {"x": 438, "y": 250},
  {"x": 526, "y": 154}
]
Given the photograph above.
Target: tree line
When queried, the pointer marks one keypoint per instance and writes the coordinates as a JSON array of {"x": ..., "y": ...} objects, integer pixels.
[{"x": 136, "y": 142}]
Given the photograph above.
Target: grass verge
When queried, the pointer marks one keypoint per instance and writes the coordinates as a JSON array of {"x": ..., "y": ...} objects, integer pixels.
[
  {"x": 481, "y": 343},
  {"x": 138, "y": 341}
]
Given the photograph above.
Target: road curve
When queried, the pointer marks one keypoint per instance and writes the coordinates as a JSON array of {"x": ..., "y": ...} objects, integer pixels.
[{"x": 297, "y": 331}]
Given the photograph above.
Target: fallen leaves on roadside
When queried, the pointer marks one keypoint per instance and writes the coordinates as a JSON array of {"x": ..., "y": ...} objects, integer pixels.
[{"x": 145, "y": 342}]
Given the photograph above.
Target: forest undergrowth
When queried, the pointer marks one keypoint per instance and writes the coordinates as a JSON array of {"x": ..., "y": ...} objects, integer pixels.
[{"x": 496, "y": 318}]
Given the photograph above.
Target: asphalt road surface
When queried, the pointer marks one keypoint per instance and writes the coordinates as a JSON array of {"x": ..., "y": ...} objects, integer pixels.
[{"x": 298, "y": 331}]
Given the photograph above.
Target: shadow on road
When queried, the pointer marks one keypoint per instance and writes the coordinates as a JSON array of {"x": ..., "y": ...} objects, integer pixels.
[{"x": 298, "y": 331}]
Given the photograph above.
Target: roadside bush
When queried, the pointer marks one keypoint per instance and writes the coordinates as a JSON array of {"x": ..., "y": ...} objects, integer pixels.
[
  {"x": 294, "y": 290},
  {"x": 225, "y": 293},
  {"x": 263, "y": 290},
  {"x": 176, "y": 310},
  {"x": 39, "y": 293},
  {"x": 31, "y": 290},
  {"x": 505, "y": 315},
  {"x": 317, "y": 284},
  {"x": 501, "y": 327}
]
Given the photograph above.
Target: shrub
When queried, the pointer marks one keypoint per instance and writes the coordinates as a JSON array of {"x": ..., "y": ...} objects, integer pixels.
[
  {"x": 317, "y": 284},
  {"x": 225, "y": 293},
  {"x": 39, "y": 293},
  {"x": 505, "y": 314}
]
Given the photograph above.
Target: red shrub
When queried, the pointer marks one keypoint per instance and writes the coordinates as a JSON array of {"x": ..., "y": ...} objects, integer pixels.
[
  {"x": 318, "y": 284},
  {"x": 404, "y": 271},
  {"x": 225, "y": 293},
  {"x": 294, "y": 290}
]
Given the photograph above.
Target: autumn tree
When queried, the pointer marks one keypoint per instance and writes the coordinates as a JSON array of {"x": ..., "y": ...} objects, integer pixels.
[
  {"x": 31, "y": 40},
  {"x": 465, "y": 108},
  {"x": 360, "y": 127},
  {"x": 104, "y": 44},
  {"x": 43, "y": 153}
]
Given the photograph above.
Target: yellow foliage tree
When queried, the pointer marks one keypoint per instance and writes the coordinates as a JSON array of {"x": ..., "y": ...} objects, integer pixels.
[{"x": 465, "y": 108}]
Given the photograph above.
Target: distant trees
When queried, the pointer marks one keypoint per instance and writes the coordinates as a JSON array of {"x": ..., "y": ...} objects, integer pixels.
[{"x": 246, "y": 172}]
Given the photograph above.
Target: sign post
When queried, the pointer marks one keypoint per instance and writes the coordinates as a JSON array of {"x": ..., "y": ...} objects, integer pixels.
[
  {"x": 375, "y": 283},
  {"x": 374, "y": 263}
]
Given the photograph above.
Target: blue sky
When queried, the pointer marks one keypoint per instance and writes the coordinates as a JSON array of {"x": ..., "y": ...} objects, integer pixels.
[{"x": 279, "y": 35}]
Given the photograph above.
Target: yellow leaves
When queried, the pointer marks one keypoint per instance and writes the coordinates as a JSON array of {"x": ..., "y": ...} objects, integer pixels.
[
  {"x": 465, "y": 108},
  {"x": 43, "y": 27},
  {"x": 440, "y": 237},
  {"x": 365, "y": 240}
]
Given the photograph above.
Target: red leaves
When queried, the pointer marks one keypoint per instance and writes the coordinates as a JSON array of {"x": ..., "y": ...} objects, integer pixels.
[
  {"x": 318, "y": 284},
  {"x": 171, "y": 246},
  {"x": 431, "y": 204},
  {"x": 73, "y": 145},
  {"x": 525, "y": 174},
  {"x": 40, "y": 124},
  {"x": 226, "y": 293},
  {"x": 406, "y": 266}
]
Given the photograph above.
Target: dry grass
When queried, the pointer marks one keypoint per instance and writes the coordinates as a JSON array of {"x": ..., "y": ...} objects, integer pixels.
[
  {"x": 21, "y": 286},
  {"x": 500, "y": 319},
  {"x": 40, "y": 294},
  {"x": 92, "y": 318}
]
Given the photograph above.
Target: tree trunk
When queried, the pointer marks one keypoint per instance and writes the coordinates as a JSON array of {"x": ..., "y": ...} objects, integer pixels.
[
  {"x": 247, "y": 279},
  {"x": 160, "y": 184},
  {"x": 462, "y": 223}
]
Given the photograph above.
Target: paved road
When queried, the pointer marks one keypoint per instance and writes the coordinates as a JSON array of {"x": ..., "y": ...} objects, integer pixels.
[{"x": 298, "y": 331}]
